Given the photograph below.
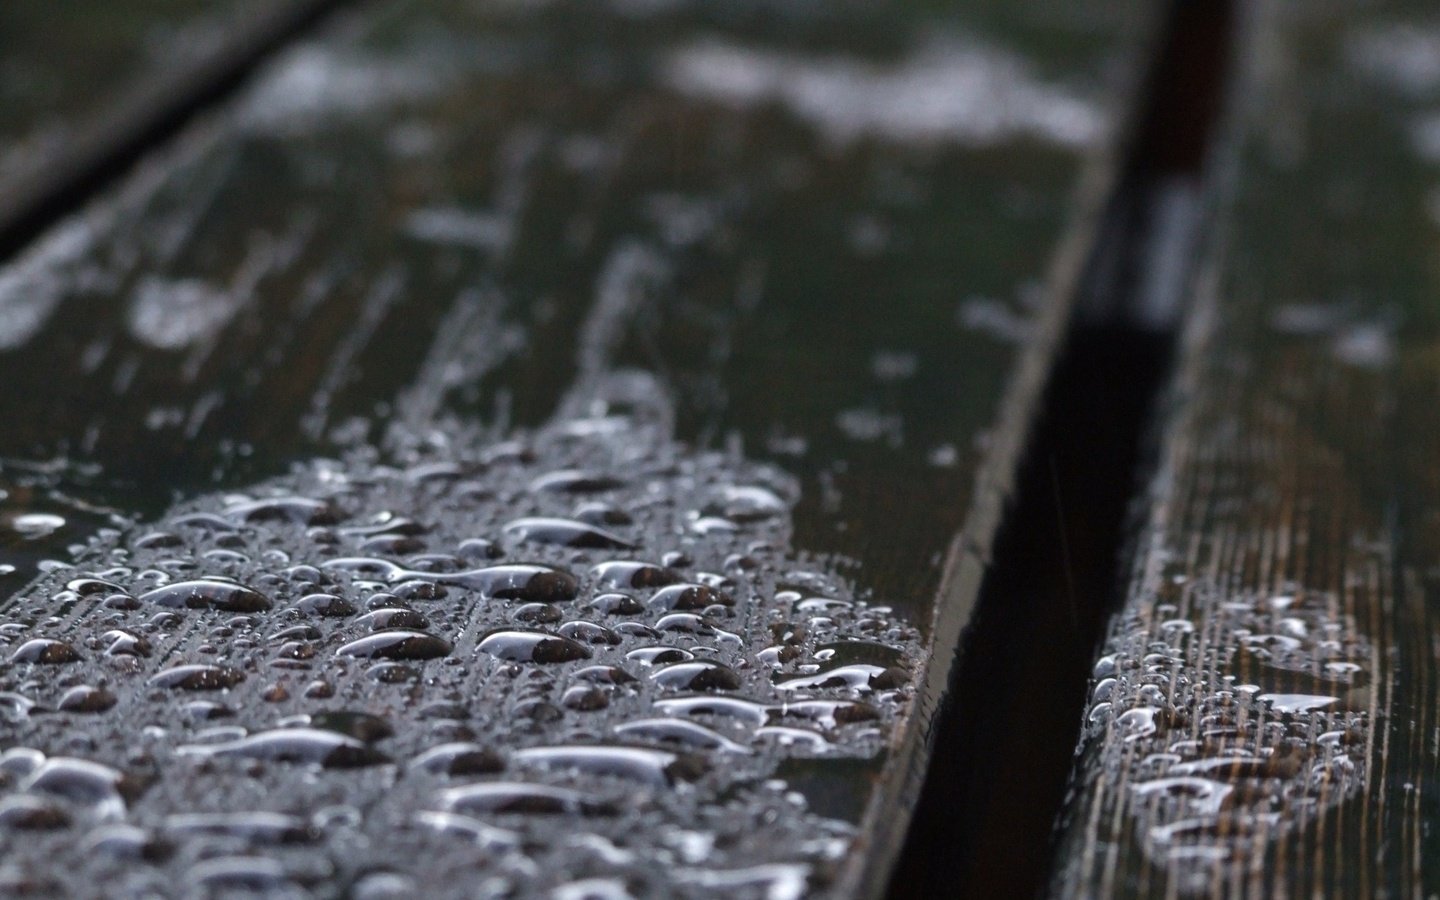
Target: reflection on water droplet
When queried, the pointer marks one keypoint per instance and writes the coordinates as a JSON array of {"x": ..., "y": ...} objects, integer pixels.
[
  {"x": 519, "y": 797},
  {"x": 398, "y": 644},
  {"x": 227, "y": 874},
  {"x": 255, "y": 826},
  {"x": 1297, "y": 703},
  {"x": 300, "y": 510},
  {"x": 696, "y": 675},
  {"x": 208, "y": 594},
  {"x": 46, "y": 652},
  {"x": 37, "y": 525},
  {"x": 531, "y": 646},
  {"x": 657, "y": 767},
  {"x": 574, "y": 481},
  {"x": 86, "y": 698},
  {"x": 198, "y": 678},
  {"x": 32, "y": 814},
  {"x": 565, "y": 532},
  {"x": 330, "y": 749},
  {"x": 678, "y": 731},
  {"x": 459, "y": 758}
]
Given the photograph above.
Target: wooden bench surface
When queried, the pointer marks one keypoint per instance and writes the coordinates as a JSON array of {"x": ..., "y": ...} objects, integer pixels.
[
  {"x": 764, "y": 294},
  {"x": 1263, "y": 717}
]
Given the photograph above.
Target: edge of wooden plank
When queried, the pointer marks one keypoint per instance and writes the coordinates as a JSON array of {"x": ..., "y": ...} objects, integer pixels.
[
  {"x": 969, "y": 554},
  {"x": 107, "y": 140}
]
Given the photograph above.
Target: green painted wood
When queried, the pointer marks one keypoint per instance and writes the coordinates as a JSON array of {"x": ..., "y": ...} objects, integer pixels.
[
  {"x": 1263, "y": 712},
  {"x": 836, "y": 244}
]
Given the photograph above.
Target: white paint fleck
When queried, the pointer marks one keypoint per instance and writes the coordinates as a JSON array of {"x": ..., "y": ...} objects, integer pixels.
[
  {"x": 170, "y": 314},
  {"x": 1405, "y": 56},
  {"x": 869, "y": 424},
  {"x": 965, "y": 93},
  {"x": 894, "y": 365},
  {"x": 33, "y": 286},
  {"x": 1425, "y": 136},
  {"x": 1307, "y": 318},
  {"x": 313, "y": 82},
  {"x": 993, "y": 317},
  {"x": 466, "y": 228},
  {"x": 1366, "y": 345},
  {"x": 37, "y": 525},
  {"x": 1298, "y": 703}
]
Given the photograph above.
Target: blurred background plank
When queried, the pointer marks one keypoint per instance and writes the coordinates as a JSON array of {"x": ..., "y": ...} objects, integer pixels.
[
  {"x": 844, "y": 238},
  {"x": 87, "y": 87},
  {"x": 1262, "y": 719}
]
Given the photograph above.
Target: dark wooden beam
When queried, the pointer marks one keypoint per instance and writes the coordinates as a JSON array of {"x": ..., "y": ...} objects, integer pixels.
[
  {"x": 422, "y": 264},
  {"x": 1262, "y": 717},
  {"x": 91, "y": 87}
]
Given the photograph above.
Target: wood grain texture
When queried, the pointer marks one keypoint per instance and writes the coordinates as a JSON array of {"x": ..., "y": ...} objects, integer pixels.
[
  {"x": 1263, "y": 713},
  {"x": 479, "y": 213},
  {"x": 85, "y": 88}
]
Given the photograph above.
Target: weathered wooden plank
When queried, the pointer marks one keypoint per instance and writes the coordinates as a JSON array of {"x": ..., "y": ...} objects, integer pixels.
[
  {"x": 1263, "y": 714},
  {"x": 784, "y": 280},
  {"x": 84, "y": 87}
]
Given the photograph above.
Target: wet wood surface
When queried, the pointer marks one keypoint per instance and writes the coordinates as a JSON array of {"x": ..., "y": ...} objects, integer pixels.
[
  {"x": 85, "y": 86},
  {"x": 836, "y": 246},
  {"x": 1263, "y": 714}
]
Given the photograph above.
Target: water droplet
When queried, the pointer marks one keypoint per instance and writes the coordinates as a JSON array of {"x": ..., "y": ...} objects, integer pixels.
[
  {"x": 689, "y": 597},
  {"x": 32, "y": 814},
  {"x": 359, "y": 725},
  {"x": 81, "y": 781},
  {"x": 208, "y": 594},
  {"x": 325, "y": 605},
  {"x": 520, "y": 797},
  {"x": 299, "y": 510},
  {"x": 198, "y": 677},
  {"x": 459, "y": 758},
  {"x": 750, "y": 711},
  {"x": 566, "y": 533},
  {"x": 589, "y": 633},
  {"x": 574, "y": 481},
  {"x": 632, "y": 574},
  {"x": 399, "y": 644},
  {"x": 254, "y": 826},
  {"x": 46, "y": 652},
  {"x": 226, "y": 874},
  {"x": 537, "y": 614},
  {"x": 859, "y": 677},
  {"x": 531, "y": 646},
  {"x": 330, "y": 749},
  {"x": 125, "y": 842},
  {"x": 86, "y": 698},
  {"x": 678, "y": 731},
  {"x": 616, "y": 604},
  {"x": 1297, "y": 703},
  {"x": 123, "y": 643},
  {"x": 37, "y": 525},
  {"x": 392, "y": 617},
  {"x": 696, "y": 675}
]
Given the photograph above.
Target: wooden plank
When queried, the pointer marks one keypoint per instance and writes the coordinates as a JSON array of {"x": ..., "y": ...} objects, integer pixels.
[
  {"x": 84, "y": 88},
  {"x": 784, "y": 281},
  {"x": 1263, "y": 713}
]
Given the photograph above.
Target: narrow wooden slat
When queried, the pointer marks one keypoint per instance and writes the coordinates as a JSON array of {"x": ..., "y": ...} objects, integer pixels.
[
  {"x": 85, "y": 87},
  {"x": 1263, "y": 714},
  {"x": 451, "y": 249}
]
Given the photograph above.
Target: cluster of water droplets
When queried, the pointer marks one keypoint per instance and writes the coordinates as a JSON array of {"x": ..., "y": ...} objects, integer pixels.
[
  {"x": 1234, "y": 718},
  {"x": 570, "y": 662}
]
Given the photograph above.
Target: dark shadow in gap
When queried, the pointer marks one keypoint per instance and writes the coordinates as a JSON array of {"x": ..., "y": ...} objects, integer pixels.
[{"x": 1006, "y": 735}]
